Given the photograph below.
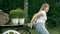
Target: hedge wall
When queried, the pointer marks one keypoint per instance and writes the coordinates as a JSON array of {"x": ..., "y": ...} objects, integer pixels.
[{"x": 53, "y": 14}]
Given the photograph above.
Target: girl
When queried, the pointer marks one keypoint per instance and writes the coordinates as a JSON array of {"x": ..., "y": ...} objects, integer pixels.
[{"x": 39, "y": 19}]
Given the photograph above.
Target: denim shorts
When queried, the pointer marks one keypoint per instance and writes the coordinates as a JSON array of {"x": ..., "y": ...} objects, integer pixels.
[{"x": 41, "y": 29}]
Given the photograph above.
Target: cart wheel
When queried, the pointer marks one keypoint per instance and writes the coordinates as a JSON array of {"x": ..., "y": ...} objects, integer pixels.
[
  {"x": 25, "y": 32},
  {"x": 11, "y": 31}
]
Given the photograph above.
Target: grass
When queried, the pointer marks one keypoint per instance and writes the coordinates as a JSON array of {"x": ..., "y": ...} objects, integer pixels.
[
  {"x": 51, "y": 31},
  {"x": 55, "y": 30}
]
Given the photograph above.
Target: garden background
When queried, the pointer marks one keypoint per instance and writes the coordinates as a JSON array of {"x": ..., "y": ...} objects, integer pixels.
[{"x": 53, "y": 22}]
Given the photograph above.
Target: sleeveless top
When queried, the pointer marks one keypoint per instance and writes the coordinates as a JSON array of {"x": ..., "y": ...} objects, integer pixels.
[{"x": 42, "y": 18}]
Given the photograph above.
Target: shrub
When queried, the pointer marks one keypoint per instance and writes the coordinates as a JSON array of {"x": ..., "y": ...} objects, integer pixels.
[{"x": 17, "y": 13}]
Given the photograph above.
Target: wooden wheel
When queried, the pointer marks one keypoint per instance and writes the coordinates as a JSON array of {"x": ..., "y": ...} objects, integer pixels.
[{"x": 4, "y": 18}]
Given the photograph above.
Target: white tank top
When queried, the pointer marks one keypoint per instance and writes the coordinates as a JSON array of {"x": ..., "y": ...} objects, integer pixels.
[{"x": 42, "y": 18}]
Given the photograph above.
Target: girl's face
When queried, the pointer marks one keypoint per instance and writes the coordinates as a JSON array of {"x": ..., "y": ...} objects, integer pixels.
[{"x": 46, "y": 7}]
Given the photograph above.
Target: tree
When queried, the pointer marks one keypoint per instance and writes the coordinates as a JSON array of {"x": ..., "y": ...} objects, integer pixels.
[{"x": 7, "y": 5}]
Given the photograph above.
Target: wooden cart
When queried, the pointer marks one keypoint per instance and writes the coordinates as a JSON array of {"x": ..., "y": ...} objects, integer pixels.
[{"x": 4, "y": 18}]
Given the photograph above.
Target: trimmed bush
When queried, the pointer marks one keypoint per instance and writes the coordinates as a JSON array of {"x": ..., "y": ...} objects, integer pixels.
[{"x": 17, "y": 13}]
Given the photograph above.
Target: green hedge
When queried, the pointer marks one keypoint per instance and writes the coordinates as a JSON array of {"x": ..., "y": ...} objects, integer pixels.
[
  {"x": 53, "y": 14},
  {"x": 8, "y": 5}
]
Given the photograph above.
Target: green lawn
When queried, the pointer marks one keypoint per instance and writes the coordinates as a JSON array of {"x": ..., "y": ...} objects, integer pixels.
[
  {"x": 51, "y": 31},
  {"x": 55, "y": 30}
]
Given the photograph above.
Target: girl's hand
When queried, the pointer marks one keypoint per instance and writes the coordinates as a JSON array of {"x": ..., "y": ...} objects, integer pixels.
[{"x": 30, "y": 25}]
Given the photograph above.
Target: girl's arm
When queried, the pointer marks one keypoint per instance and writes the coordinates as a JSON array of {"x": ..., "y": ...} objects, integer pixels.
[{"x": 35, "y": 17}]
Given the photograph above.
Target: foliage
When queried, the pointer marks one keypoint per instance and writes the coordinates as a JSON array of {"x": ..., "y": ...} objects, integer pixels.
[
  {"x": 33, "y": 7},
  {"x": 53, "y": 14},
  {"x": 7, "y": 5},
  {"x": 17, "y": 13}
]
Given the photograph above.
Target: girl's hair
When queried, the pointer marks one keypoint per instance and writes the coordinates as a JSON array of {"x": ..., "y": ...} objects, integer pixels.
[{"x": 42, "y": 7}]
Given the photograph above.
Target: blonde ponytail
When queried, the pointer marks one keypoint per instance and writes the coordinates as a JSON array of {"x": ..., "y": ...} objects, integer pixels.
[{"x": 42, "y": 7}]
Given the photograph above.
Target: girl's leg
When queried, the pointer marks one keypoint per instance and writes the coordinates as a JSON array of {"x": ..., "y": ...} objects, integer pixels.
[{"x": 40, "y": 27}]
